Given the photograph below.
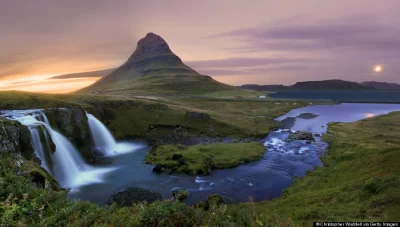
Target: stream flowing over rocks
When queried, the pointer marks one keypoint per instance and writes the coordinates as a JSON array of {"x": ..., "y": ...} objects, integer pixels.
[{"x": 52, "y": 136}]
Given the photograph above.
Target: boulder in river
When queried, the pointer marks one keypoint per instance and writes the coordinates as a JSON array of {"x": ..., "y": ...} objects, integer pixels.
[
  {"x": 158, "y": 169},
  {"x": 134, "y": 195},
  {"x": 99, "y": 152},
  {"x": 301, "y": 136}
]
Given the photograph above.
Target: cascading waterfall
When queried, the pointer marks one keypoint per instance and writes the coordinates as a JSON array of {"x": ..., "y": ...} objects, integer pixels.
[
  {"x": 68, "y": 167},
  {"x": 102, "y": 138},
  {"x": 104, "y": 141},
  {"x": 39, "y": 150}
]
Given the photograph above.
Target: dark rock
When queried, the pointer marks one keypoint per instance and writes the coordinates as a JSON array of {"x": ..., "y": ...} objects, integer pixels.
[
  {"x": 37, "y": 160},
  {"x": 198, "y": 115},
  {"x": 213, "y": 201},
  {"x": 15, "y": 138},
  {"x": 99, "y": 152},
  {"x": 38, "y": 180},
  {"x": 134, "y": 195},
  {"x": 180, "y": 195},
  {"x": 73, "y": 124},
  {"x": 288, "y": 122},
  {"x": 158, "y": 169},
  {"x": 209, "y": 164},
  {"x": 307, "y": 116},
  {"x": 176, "y": 156},
  {"x": 301, "y": 136}
]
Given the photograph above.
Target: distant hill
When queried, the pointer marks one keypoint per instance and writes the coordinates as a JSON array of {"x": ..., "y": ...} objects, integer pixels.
[
  {"x": 382, "y": 85},
  {"x": 153, "y": 69},
  {"x": 329, "y": 85},
  {"x": 257, "y": 87},
  {"x": 99, "y": 73}
]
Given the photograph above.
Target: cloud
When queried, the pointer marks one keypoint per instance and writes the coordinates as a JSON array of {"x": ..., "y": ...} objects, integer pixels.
[
  {"x": 250, "y": 71},
  {"x": 349, "y": 33},
  {"x": 244, "y": 62}
]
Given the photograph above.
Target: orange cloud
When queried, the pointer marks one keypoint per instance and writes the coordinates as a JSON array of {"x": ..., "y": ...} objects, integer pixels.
[{"x": 53, "y": 86}]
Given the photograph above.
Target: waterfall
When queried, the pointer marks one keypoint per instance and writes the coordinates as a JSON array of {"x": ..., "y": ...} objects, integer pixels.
[
  {"x": 102, "y": 138},
  {"x": 39, "y": 150},
  {"x": 68, "y": 167}
]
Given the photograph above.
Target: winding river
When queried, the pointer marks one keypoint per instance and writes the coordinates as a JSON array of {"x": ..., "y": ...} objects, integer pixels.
[{"x": 123, "y": 166}]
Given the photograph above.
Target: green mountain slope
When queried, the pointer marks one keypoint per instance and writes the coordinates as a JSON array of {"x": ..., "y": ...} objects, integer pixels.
[{"x": 153, "y": 69}]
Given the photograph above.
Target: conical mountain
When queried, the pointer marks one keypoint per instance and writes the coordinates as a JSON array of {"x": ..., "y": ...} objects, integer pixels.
[{"x": 153, "y": 69}]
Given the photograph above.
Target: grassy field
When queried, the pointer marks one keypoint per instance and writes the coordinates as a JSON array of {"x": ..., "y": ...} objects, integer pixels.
[
  {"x": 252, "y": 117},
  {"x": 133, "y": 117},
  {"x": 27, "y": 100},
  {"x": 359, "y": 181},
  {"x": 201, "y": 159}
]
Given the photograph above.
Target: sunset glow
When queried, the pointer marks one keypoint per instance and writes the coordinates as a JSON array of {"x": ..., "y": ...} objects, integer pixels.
[
  {"x": 378, "y": 68},
  {"x": 53, "y": 86}
]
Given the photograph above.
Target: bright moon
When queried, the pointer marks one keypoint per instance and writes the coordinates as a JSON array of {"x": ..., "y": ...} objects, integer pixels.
[{"x": 378, "y": 68}]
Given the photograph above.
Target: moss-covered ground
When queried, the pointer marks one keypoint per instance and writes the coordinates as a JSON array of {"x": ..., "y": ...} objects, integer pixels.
[{"x": 200, "y": 159}]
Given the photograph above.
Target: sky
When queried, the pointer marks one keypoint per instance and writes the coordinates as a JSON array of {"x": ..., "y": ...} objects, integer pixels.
[{"x": 234, "y": 41}]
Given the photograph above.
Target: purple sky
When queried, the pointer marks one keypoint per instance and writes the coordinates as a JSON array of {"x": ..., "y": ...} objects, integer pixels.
[{"x": 234, "y": 41}]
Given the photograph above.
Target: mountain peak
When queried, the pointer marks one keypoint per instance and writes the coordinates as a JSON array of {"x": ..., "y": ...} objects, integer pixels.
[
  {"x": 152, "y": 44},
  {"x": 154, "y": 69}
]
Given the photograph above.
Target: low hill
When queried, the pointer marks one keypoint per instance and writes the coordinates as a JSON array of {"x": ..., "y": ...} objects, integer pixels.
[
  {"x": 153, "y": 69},
  {"x": 99, "y": 73},
  {"x": 328, "y": 85},
  {"x": 382, "y": 85},
  {"x": 257, "y": 87}
]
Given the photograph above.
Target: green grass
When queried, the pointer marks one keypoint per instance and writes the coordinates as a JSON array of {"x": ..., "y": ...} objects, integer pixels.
[
  {"x": 27, "y": 100},
  {"x": 247, "y": 118},
  {"x": 359, "y": 181},
  {"x": 200, "y": 159}
]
